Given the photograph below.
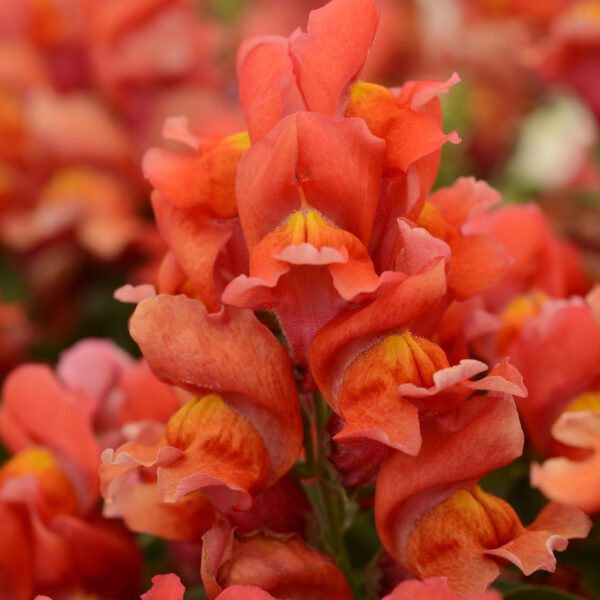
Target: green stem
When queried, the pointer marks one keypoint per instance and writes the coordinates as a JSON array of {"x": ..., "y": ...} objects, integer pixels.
[{"x": 331, "y": 499}]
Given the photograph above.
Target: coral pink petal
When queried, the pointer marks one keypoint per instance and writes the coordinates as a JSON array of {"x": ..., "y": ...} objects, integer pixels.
[
  {"x": 452, "y": 455},
  {"x": 554, "y": 526},
  {"x": 573, "y": 482},
  {"x": 196, "y": 243},
  {"x": 165, "y": 587},
  {"x": 267, "y": 85},
  {"x": 37, "y": 410},
  {"x": 433, "y": 588},
  {"x": 94, "y": 366},
  {"x": 444, "y": 378},
  {"x": 336, "y": 343},
  {"x": 464, "y": 199},
  {"x": 504, "y": 378},
  {"x": 244, "y": 592},
  {"x": 330, "y": 55},
  {"x": 134, "y": 294},
  {"x": 420, "y": 93},
  {"x": 333, "y": 166},
  {"x": 419, "y": 249},
  {"x": 186, "y": 346}
]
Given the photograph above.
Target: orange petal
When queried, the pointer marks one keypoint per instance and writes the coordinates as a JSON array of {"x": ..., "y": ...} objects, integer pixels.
[
  {"x": 450, "y": 539},
  {"x": 558, "y": 354},
  {"x": 433, "y": 588},
  {"x": 144, "y": 511},
  {"x": 369, "y": 403},
  {"x": 16, "y": 569},
  {"x": 458, "y": 448},
  {"x": 267, "y": 83},
  {"x": 186, "y": 346},
  {"x": 463, "y": 200},
  {"x": 244, "y": 592},
  {"x": 477, "y": 263},
  {"x": 196, "y": 243},
  {"x": 219, "y": 447},
  {"x": 534, "y": 548},
  {"x": 311, "y": 161},
  {"x": 576, "y": 483},
  {"x": 203, "y": 180},
  {"x": 343, "y": 338},
  {"x": 145, "y": 396},
  {"x": 165, "y": 587},
  {"x": 282, "y": 566},
  {"x": 409, "y": 134},
  {"x": 331, "y": 54}
]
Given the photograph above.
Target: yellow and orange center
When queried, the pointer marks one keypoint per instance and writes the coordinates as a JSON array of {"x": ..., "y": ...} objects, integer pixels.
[
  {"x": 514, "y": 315},
  {"x": 586, "y": 401},
  {"x": 216, "y": 439},
  {"x": 463, "y": 525},
  {"x": 218, "y": 169},
  {"x": 57, "y": 495},
  {"x": 432, "y": 221},
  {"x": 397, "y": 359}
]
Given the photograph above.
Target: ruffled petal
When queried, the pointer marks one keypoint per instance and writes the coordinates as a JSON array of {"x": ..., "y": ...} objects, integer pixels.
[
  {"x": 343, "y": 338},
  {"x": 186, "y": 346},
  {"x": 573, "y": 482},
  {"x": 195, "y": 243},
  {"x": 534, "y": 548},
  {"x": 452, "y": 456}
]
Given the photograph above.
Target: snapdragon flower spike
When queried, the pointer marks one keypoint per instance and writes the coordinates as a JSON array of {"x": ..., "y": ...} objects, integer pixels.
[
  {"x": 433, "y": 518},
  {"x": 568, "y": 480},
  {"x": 283, "y": 566},
  {"x": 381, "y": 377},
  {"x": 196, "y": 213},
  {"x": 241, "y": 431},
  {"x": 309, "y": 70},
  {"x": 307, "y": 198}
]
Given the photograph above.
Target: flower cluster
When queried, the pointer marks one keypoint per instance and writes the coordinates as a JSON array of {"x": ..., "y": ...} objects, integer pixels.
[{"x": 328, "y": 339}]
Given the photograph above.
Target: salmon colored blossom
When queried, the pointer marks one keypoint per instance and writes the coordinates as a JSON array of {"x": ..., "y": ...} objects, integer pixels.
[
  {"x": 238, "y": 411},
  {"x": 574, "y": 481},
  {"x": 283, "y": 566},
  {"x": 436, "y": 521},
  {"x": 381, "y": 375}
]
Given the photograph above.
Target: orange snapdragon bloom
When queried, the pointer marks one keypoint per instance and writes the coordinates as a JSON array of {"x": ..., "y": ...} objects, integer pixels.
[
  {"x": 240, "y": 432},
  {"x": 435, "y": 520},
  {"x": 284, "y": 566},
  {"x": 375, "y": 368}
]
